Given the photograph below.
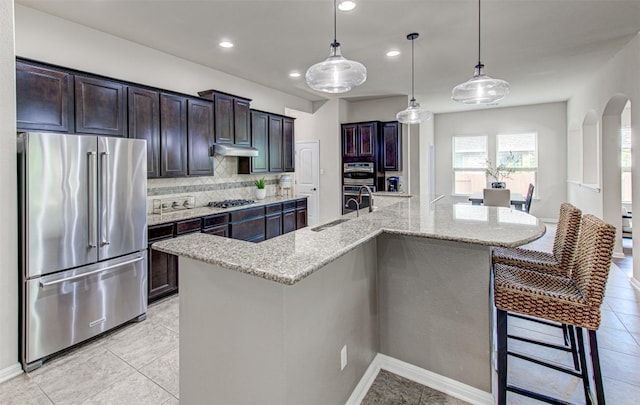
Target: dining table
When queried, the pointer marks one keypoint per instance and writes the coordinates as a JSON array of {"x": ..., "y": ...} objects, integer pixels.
[{"x": 517, "y": 200}]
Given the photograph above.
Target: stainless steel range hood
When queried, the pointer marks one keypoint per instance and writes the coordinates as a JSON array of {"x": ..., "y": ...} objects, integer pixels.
[{"x": 224, "y": 149}]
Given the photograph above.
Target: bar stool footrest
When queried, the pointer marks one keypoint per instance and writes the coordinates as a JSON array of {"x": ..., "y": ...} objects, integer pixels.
[
  {"x": 545, "y": 364},
  {"x": 535, "y": 395}
]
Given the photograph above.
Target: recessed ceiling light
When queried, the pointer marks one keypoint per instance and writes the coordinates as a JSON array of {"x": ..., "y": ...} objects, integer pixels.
[
  {"x": 393, "y": 52},
  {"x": 226, "y": 44},
  {"x": 346, "y": 5},
  {"x": 294, "y": 74}
]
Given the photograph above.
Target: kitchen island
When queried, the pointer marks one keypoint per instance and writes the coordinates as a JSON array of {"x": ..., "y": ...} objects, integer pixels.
[{"x": 266, "y": 323}]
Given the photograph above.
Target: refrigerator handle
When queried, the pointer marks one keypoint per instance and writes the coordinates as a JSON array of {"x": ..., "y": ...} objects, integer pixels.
[
  {"x": 82, "y": 275},
  {"x": 91, "y": 199},
  {"x": 106, "y": 198}
]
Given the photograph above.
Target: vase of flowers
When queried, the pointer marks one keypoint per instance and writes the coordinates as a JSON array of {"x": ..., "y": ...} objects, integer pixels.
[
  {"x": 261, "y": 192},
  {"x": 500, "y": 172}
]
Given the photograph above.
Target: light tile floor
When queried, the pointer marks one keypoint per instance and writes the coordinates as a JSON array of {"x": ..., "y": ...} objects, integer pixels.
[{"x": 138, "y": 364}]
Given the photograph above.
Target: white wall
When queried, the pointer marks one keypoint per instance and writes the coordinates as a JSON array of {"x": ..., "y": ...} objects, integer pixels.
[
  {"x": 324, "y": 126},
  {"x": 8, "y": 207},
  {"x": 46, "y": 38},
  {"x": 618, "y": 77},
  {"x": 548, "y": 120}
]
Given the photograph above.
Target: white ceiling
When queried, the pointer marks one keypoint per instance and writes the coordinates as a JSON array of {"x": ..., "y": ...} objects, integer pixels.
[{"x": 544, "y": 48}]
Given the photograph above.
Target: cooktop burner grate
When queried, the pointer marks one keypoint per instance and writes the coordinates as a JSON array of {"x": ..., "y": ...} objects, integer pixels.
[{"x": 230, "y": 203}]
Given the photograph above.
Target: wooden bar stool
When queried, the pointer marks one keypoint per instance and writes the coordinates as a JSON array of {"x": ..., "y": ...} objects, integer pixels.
[
  {"x": 573, "y": 300},
  {"x": 558, "y": 262}
]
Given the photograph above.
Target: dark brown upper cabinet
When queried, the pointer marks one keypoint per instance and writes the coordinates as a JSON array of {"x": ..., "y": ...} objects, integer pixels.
[
  {"x": 231, "y": 115},
  {"x": 173, "y": 135},
  {"x": 200, "y": 128},
  {"x": 100, "y": 106},
  {"x": 260, "y": 141},
  {"x": 391, "y": 146},
  {"x": 288, "y": 146},
  {"x": 144, "y": 123},
  {"x": 359, "y": 140},
  {"x": 44, "y": 98},
  {"x": 242, "y": 127},
  {"x": 275, "y": 144}
]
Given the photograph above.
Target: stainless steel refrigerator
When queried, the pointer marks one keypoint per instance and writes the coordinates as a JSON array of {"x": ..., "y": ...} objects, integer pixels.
[{"x": 83, "y": 238}]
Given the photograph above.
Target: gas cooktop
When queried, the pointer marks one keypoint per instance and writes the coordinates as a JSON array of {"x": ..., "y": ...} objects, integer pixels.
[{"x": 230, "y": 203}]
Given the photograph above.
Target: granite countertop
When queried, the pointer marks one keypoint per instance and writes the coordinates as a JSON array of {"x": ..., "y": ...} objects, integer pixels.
[
  {"x": 391, "y": 194},
  {"x": 179, "y": 215},
  {"x": 290, "y": 258}
]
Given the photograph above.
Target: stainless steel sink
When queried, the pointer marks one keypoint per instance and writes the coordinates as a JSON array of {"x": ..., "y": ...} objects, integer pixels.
[{"x": 330, "y": 224}]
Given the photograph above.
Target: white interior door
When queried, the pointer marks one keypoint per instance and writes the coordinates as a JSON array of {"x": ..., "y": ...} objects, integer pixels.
[{"x": 308, "y": 177}]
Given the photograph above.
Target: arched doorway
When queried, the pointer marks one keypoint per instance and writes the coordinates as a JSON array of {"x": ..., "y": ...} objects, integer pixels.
[{"x": 616, "y": 167}]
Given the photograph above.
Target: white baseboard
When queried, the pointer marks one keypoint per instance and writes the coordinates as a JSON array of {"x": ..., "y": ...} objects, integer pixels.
[
  {"x": 443, "y": 384},
  {"x": 549, "y": 220},
  {"x": 618, "y": 255},
  {"x": 635, "y": 283},
  {"x": 10, "y": 372}
]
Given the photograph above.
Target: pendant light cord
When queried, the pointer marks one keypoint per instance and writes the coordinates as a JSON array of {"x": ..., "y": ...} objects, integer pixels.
[
  {"x": 480, "y": 65},
  {"x": 412, "y": 68},
  {"x": 335, "y": 43}
]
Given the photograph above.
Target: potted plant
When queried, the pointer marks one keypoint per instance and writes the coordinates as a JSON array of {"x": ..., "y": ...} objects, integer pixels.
[
  {"x": 261, "y": 192},
  {"x": 501, "y": 172}
]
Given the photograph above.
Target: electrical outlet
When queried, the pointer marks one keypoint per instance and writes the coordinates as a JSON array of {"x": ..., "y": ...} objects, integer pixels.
[{"x": 343, "y": 357}]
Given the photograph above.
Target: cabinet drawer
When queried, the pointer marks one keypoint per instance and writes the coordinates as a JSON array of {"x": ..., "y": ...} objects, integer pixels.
[
  {"x": 158, "y": 232},
  {"x": 189, "y": 225},
  {"x": 245, "y": 214},
  {"x": 214, "y": 220},
  {"x": 252, "y": 230},
  {"x": 289, "y": 205},
  {"x": 220, "y": 230},
  {"x": 301, "y": 203},
  {"x": 273, "y": 208}
]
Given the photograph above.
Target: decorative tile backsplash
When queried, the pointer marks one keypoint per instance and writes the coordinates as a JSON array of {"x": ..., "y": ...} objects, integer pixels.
[{"x": 225, "y": 184}]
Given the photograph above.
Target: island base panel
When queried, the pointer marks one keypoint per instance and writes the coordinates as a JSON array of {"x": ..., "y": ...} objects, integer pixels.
[{"x": 435, "y": 309}]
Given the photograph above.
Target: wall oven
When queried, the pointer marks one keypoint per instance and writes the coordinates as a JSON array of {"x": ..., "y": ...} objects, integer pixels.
[{"x": 356, "y": 175}]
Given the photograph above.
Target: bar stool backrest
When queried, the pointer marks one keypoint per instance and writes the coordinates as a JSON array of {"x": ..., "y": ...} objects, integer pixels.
[
  {"x": 593, "y": 259},
  {"x": 566, "y": 239}
]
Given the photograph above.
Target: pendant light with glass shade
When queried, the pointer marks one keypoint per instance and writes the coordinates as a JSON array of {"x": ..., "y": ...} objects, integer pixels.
[
  {"x": 336, "y": 74},
  {"x": 480, "y": 89},
  {"x": 413, "y": 114}
]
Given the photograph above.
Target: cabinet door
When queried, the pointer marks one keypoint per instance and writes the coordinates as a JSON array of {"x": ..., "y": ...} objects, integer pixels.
[
  {"x": 221, "y": 230},
  {"x": 224, "y": 118},
  {"x": 367, "y": 140},
  {"x": 260, "y": 141},
  {"x": 200, "y": 137},
  {"x": 349, "y": 140},
  {"x": 144, "y": 123},
  {"x": 252, "y": 230},
  {"x": 288, "y": 146},
  {"x": 301, "y": 218},
  {"x": 242, "y": 132},
  {"x": 173, "y": 136},
  {"x": 275, "y": 144},
  {"x": 162, "y": 275},
  {"x": 44, "y": 98},
  {"x": 273, "y": 226},
  {"x": 288, "y": 221},
  {"x": 391, "y": 147},
  {"x": 100, "y": 107}
]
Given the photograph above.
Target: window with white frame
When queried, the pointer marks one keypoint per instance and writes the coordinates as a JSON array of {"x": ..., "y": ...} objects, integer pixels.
[
  {"x": 626, "y": 164},
  {"x": 519, "y": 151},
  {"x": 469, "y": 162}
]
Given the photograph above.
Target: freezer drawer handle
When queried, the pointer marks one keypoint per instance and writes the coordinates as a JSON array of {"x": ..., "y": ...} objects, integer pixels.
[
  {"x": 77, "y": 276},
  {"x": 106, "y": 198},
  {"x": 91, "y": 200}
]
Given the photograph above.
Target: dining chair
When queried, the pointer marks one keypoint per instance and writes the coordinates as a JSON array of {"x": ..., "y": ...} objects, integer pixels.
[
  {"x": 497, "y": 197},
  {"x": 527, "y": 201}
]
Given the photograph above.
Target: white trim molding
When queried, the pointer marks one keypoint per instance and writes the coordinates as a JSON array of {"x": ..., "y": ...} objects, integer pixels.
[
  {"x": 10, "y": 372},
  {"x": 436, "y": 381},
  {"x": 635, "y": 283},
  {"x": 618, "y": 255}
]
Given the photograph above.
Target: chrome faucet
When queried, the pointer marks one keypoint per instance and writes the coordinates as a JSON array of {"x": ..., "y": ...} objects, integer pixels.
[
  {"x": 357, "y": 205},
  {"x": 370, "y": 197}
]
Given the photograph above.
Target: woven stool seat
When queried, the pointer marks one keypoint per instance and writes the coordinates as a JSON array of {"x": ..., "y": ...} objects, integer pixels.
[
  {"x": 555, "y": 298},
  {"x": 560, "y": 261}
]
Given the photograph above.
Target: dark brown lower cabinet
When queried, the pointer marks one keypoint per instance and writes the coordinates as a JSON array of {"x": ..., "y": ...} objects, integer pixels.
[
  {"x": 220, "y": 230},
  {"x": 288, "y": 221},
  {"x": 273, "y": 225},
  {"x": 163, "y": 274},
  {"x": 301, "y": 218},
  {"x": 248, "y": 224}
]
